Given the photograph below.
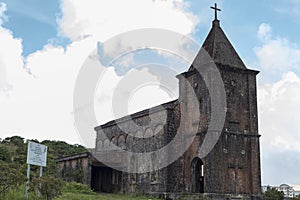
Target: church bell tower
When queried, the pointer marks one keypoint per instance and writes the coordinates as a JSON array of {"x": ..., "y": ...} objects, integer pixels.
[{"x": 233, "y": 166}]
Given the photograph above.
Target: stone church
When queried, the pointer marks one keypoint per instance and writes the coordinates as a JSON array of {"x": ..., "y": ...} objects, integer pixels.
[{"x": 229, "y": 170}]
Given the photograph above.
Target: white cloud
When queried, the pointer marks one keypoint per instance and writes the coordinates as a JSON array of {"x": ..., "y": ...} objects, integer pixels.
[
  {"x": 104, "y": 19},
  {"x": 278, "y": 103},
  {"x": 279, "y": 98},
  {"x": 279, "y": 125},
  {"x": 280, "y": 167},
  {"x": 279, "y": 113},
  {"x": 11, "y": 60},
  {"x": 264, "y": 32},
  {"x": 40, "y": 106},
  {"x": 279, "y": 55},
  {"x": 276, "y": 55}
]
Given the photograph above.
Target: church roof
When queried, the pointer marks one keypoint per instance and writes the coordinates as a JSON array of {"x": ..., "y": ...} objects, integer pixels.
[
  {"x": 220, "y": 49},
  {"x": 146, "y": 112}
]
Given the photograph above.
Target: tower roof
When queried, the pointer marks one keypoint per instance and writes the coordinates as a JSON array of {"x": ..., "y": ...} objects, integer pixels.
[{"x": 220, "y": 49}]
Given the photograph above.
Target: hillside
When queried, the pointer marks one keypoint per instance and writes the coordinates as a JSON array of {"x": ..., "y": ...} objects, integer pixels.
[{"x": 13, "y": 151}]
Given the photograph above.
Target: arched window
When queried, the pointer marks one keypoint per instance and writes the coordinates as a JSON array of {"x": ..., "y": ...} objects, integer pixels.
[
  {"x": 197, "y": 175},
  {"x": 113, "y": 143},
  {"x": 113, "y": 140},
  {"x": 129, "y": 139},
  {"x": 148, "y": 133},
  {"x": 139, "y": 134},
  {"x": 159, "y": 129},
  {"x": 121, "y": 142},
  {"x": 106, "y": 145},
  {"x": 154, "y": 168}
]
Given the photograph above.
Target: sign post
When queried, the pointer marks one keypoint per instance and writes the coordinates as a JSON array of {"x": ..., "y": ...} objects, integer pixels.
[{"x": 36, "y": 155}]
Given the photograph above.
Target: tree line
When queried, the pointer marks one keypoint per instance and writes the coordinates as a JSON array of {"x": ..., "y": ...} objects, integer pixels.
[{"x": 13, "y": 166}]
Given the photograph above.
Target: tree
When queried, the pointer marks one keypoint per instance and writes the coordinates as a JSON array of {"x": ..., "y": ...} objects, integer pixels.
[
  {"x": 50, "y": 186},
  {"x": 13, "y": 150},
  {"x": 60, "y": 148},
  {"x": 10, "y": 177},
  {"x": 15, "y": 140},
  {"x": 4, "y": 154},
  {"x": 273, "y": 194}
]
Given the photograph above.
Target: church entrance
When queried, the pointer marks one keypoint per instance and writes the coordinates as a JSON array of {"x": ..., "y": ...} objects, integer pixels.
[
  {"x": 101, "y": 179},
  {"x": 197, "y": 176}
]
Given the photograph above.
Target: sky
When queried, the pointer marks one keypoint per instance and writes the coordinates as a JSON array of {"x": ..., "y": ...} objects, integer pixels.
[{"x": 44, "y": 44}]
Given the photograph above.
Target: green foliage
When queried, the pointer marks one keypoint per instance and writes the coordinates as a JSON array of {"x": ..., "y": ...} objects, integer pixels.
[
  {"x": 4, "y": 154},
  {"x": 18, "y": 193},
  {"x": 273, "y": 194},
  {"x": 61, "y": 149},
  {"x": 58, "y": 149},
  {"x": 10, "y": 177},
  {"x": 71, "y": 192},
  {"x": 15, "y": 140},
  {"x": 14, "y": 150},
  {"x": 13, "y": 168},
  {"x": 73, "y": 187},
  {"x": 72, "y": 196},
  {"x": 48, "y": 186}
]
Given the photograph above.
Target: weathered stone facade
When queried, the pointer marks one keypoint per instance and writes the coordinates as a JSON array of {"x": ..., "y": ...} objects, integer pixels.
[
  {"x": 231, "y": 170},
  {"x": 76, "y": 167}
]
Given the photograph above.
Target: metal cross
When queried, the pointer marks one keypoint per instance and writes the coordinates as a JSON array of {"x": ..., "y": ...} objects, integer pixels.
[{"x": 216, "y": 11}]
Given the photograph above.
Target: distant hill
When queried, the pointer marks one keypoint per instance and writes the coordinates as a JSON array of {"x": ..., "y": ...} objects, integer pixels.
[{"x": 13, "y": 150}]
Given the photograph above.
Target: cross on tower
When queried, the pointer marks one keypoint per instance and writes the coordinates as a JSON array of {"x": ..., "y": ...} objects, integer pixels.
[{"x": 216, "y": 11}]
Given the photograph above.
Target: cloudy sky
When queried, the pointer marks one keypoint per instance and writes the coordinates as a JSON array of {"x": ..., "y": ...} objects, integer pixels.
[{"x": 44, "y": 44}]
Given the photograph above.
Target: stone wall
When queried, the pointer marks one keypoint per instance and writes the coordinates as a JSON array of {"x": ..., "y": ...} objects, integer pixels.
[
  {"x": 75, "y": 168},
  {"x": 151, "y": 130},
  {"x": 233, "y": 165}
]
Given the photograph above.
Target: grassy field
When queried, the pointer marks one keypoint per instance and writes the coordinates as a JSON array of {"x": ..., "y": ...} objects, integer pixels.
[
  {"x": 72, "y": 191},
  {"x": 72, "y": 196},
  {"x": 20, "y": 195}
]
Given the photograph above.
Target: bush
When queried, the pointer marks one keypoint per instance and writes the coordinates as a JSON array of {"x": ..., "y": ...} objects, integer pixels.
[
  {"x": 18, "y": 193},
  {"x": 9, "y": 178},
  {"x": 50, "y": 186},
  {"x": 4, "y": 154},
  {"x": 273, "y": 194},
  {"x": 73, "y": 187}
]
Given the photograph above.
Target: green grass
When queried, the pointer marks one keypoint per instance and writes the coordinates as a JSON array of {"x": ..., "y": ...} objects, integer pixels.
[
  {"x": 20, "y": 195},
  {"x": 72, "y": 191},
  {"x": 72, "y": 196},
  {"x": 77, "y": 191}
]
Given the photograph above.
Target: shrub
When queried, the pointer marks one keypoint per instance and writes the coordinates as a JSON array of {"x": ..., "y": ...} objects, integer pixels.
[
  {"x": 50, "y": 186},
  {"x": 18, "y": 193},
  {"x": 73, "y": 187},
  {"x": 9, "y": 178},
  {"x": 273, "y": 194}
]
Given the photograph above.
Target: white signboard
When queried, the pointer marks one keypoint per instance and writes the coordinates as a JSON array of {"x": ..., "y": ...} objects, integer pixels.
[{"x": 37, "y": 154}]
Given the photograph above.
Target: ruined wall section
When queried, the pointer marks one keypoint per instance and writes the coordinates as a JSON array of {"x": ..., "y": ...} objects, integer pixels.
[
  {"x": 75, "y": 168},
  {"x": 149, "y": 133}
]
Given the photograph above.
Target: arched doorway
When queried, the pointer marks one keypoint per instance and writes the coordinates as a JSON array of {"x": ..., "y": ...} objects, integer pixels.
[{"x": 197, "y": 175}]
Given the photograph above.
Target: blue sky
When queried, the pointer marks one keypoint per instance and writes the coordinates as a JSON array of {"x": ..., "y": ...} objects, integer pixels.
[
  {"x": 34, "y": 21},
  {"x": 53, "y": 39}
]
